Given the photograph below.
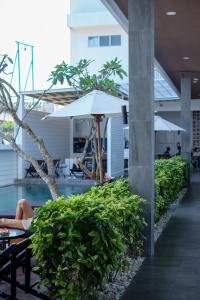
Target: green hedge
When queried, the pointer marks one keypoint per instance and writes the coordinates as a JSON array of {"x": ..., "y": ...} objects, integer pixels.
[
  {"x": 169, "y": 180},
  {"x": 80, "y": 242}
]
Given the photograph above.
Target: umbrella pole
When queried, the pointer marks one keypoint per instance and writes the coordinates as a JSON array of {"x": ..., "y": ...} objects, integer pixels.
[{"x": 98, "y": 119}]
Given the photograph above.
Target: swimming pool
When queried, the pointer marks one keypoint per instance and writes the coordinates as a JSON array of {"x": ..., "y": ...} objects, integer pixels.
[{"x": 36, "y": 194}]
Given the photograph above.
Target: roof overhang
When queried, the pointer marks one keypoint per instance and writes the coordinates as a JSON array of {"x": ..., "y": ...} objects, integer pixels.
[
  {"x": 176, "y": 37},
  {"x": 55, "y": 96},
  {"x": 60, "y": 96}
]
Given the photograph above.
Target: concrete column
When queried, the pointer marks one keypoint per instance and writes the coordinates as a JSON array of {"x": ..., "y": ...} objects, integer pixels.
[
  {"x": 109, "y": 152},
  {"x": 115, "y": 147},
  {"x": 19, "y": 139},
  {"x": 141, "y": 94},
  {"x": 71, "y": 151},
  {"x": 186, "y": 118}
]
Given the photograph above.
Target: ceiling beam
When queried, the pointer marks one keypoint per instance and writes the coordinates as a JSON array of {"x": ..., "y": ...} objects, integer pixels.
[
  {"x": 117, "y": 13},
  {"x": 114, "y": 9}
]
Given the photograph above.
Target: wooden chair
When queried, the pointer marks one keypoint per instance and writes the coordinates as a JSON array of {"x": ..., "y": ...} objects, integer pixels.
[
  {"x": 15, "y": 256},
  {"x": 5, "y": 263},
  {"x": 32, "y": 171},
  {"x": 11, "y": 259},
  {"x": 56, "y": 163}
]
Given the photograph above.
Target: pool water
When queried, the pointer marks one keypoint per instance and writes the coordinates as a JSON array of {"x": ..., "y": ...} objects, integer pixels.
[{"x": 36, "y": 194}]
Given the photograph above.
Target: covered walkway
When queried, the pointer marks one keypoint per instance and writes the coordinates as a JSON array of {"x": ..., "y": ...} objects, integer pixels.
[{"x": 174, "y": 272}]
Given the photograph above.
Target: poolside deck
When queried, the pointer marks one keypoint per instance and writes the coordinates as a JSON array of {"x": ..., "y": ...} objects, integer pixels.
[{"x": 174, "y": 272}]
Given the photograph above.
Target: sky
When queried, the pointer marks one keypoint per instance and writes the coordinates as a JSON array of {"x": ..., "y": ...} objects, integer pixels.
[{"x": 41, "y": 23}]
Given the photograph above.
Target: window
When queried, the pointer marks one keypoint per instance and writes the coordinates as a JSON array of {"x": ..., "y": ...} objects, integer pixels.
[
  {"x": 115, "y": 40},
  {"x": 104, "y": 40},
  {"x": 93, "y": 41}
]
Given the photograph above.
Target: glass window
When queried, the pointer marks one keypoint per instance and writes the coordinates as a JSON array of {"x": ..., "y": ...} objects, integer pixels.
[
  {"x": 104, "y": 40},
  {"x": 115, "y": 40},
  {"x": 93, "y": 41}
]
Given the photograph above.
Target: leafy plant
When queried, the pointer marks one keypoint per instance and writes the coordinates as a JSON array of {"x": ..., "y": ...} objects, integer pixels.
[
  {"x": 169, "y": 180},
  {"x": 81, "y": 242},
  {"x": 8, "y": 127},
  {"x": 80, "y": 79}
]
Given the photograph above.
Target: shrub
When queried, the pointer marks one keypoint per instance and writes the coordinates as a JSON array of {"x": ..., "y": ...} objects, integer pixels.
[
  {"x": 80, "y": 242},
  {"x": 169, "y": 180}
]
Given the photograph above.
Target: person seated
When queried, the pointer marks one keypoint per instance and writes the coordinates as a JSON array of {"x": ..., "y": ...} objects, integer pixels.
[
  {"x": 23, "y": 217},
  {"x": 195, "y": 158},
  {"x": 166, "y": 154},
  {"x": 76, "y": 167}
]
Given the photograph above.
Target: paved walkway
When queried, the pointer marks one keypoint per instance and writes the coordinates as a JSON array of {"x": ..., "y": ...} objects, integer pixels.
[{"x": 174, "y": 272}]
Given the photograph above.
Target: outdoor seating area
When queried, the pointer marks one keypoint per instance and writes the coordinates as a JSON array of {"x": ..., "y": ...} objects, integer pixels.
[
  {"x": 100, "y": 150},
  {"x": 31, "y": 171},
  {"x": 107, "y": 202}
]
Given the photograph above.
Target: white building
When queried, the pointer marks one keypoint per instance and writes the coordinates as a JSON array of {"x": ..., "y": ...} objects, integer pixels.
[{"x": 95, "y": 34}]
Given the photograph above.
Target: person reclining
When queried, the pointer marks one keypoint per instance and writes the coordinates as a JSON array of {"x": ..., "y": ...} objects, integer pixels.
[{"x": 23, "y": 218}]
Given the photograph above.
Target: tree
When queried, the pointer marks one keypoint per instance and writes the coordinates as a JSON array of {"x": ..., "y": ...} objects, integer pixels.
[
  {"x": 83, "y": 82},
  {"x": 79, "y": 78},
  {"x": 10, "y": 107}
]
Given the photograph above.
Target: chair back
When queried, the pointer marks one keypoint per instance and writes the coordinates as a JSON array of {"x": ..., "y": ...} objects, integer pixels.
[{"x": 5, "y": 256}]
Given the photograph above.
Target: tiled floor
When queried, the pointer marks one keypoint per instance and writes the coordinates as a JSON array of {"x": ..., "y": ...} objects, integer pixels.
[{"x": 174, "y": 272}]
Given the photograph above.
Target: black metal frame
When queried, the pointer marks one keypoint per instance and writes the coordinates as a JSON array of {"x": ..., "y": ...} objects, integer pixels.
[
  {"x": 33, "y": 173},
  {"x": 11, "y": 259}
]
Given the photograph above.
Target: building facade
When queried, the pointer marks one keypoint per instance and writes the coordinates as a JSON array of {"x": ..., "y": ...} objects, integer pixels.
[{"x": 95, "y": 34}]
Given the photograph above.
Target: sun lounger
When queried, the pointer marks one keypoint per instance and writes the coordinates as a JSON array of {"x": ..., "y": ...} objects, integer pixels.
[{"x": 31, "y": 171}]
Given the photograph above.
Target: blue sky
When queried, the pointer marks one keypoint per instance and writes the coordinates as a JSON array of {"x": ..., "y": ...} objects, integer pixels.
[{"x": 41, "y": 23}]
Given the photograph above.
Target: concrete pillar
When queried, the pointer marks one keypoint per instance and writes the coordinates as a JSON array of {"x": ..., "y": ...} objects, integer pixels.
[
  {"x": 115, "y": 147},
  {"x": 19, "y": 139},
  {"x": 186, "y": 118},
  {"x": 141, "y": 94}
]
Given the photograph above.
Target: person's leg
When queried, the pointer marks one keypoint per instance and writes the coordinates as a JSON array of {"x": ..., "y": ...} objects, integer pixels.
[
  {"x": 11, "y": 223},
  {"x": 23, "y": 210}
]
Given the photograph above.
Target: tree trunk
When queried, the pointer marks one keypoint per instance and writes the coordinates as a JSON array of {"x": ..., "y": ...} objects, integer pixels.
[{"x": 52, "y": 185}]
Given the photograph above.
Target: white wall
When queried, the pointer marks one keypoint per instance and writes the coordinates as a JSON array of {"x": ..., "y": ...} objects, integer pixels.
[
  {"x": 168, "y": 106},
  {"x": 8, "y": 167},
  {"x": 81, "y": 127},
  {"x": 99, "y": 54},
  {"x": 80, "y": 6},
  {"x": 115, "y": 147},
  {"x": 56, "y": 135}
]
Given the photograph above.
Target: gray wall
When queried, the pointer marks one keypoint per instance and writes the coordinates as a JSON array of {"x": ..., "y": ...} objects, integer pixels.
[{"x": 8, "y": 167}]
